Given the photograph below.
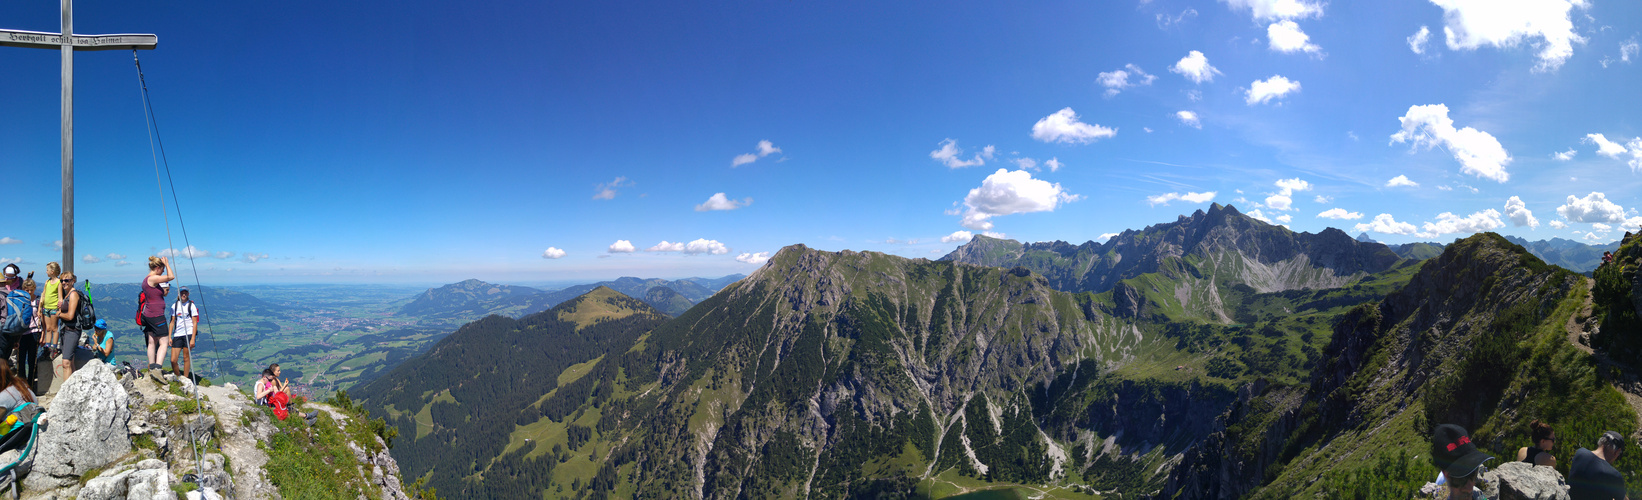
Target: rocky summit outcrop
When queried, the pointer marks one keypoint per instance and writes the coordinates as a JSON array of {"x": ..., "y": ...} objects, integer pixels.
[
  {"x": 104, "y": 436},
  {"x": 84, "y": 430}
]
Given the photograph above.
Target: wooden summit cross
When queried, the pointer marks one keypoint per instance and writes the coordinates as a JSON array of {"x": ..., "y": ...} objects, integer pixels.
[{"x": 68, "y": 42}]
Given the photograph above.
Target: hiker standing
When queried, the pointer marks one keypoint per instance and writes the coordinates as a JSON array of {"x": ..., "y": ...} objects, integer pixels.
[
  {"x": 185, "y": 318},
  {"x": 48, "y": 301},
  {"x": 152, "y": 311},
  {"x": 17, "y": 315},
  {"x": 69, "y": 330}
]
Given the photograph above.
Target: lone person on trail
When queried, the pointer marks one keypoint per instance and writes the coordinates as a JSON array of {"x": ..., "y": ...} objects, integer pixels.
[
  {"x": 1591, "y": 474},
  {"x": 185, "y": 317},
  {"x": 152, "y": 311},
  {"x": 1460, "y": 460}
]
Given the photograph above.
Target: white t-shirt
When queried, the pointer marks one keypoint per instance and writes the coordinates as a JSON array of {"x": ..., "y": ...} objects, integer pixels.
[{"x": 183, "y": 314}]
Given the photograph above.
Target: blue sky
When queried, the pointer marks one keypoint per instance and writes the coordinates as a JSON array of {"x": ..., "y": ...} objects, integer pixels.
[{"x": 429, "y": 142}]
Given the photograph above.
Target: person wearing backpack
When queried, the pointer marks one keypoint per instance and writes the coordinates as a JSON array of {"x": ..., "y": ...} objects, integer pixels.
[
  {"x": 13, "y": 278},
  {"x": 185, "y": 319},
  {"x": 152, "y": 311},
  {"x": 68, "y": 314},
  {"x": 20, "y": 326}
]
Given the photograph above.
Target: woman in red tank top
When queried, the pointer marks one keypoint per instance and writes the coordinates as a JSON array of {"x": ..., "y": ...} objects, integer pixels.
[{"x": 152, "y": 311}]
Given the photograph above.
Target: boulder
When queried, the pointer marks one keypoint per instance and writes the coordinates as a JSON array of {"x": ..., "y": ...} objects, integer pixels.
[
  {"x": 109, "y": 486},
  {"x": 85, "y": 429},
  {"x": 150, "y": 484},
  {"x": 1522, "y": 481}
]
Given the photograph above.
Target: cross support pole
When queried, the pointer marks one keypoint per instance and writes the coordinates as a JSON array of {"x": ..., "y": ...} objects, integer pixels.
[{"x": 67, "y": 42}]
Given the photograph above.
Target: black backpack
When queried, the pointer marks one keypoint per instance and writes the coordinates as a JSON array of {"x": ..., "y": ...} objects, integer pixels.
[{"x": 85, "y": 319}]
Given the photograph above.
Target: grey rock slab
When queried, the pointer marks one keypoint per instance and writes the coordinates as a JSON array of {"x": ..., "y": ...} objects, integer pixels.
[
  {"x": 87, "y": 428},
  {"x": 110, "y": 485},
  {"x": 1521, "y": 481},
  {"x": 150, "y": 484}
]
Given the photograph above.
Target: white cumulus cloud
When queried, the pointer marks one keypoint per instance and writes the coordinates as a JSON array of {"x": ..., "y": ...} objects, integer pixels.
[
  {"x": 1385, "y": 224},
  {"x": 1005, "y": 192},
  {"x": 1594, "y": 207},
  {"x": 622, "y": 246},
  {"x": 247, "y": 257},
  {"x": 189, "y": 252},
  {"x": 1165, "y": 198},
  {"x": 666, "y": 246},
  {"x": 1448, "y": 223},
  {"x": 1285, "y": 218},
  {"x": 1417, "y": 41},
  {"x": 10, "y": 241},
  {"x": 1195, "y": 67},
  {"x": 553, "y": 253},
  {"x": 1117, "y": 80},
  {"x": 765, "y": 148},
  {"x": 1106, "y": 236},
  {"x": 1276, "y": 87},
  {"x": 1565, "y": 155},
  {"x": 114, "y": 256},
  {"x": 1556, "y": 224},
  {"x": 1264, "y": 10},
  {"x": 958, "y": 237},
  {"x": 1611, "y": 149},
  {"x": 753, "y": 258},
  {"x": 1519, "y": 214},
  {"x": 1340, "y": 213},
  {"x": 1478, "y": 152},
  {"x": 706, "y": 246},
  {"x": 719, "y": 202},
  {"x": 949, "y": 154},
  {"x": 1401, "y": 181},
  {"x": 1323, "y": 199},
  {"x": 90, "y": 259},
  {"x": 1257, "y": 215},
  {"x": 1470, "y": 24},
  {"x": 1285, "y": 36},
  {"x": 1189, "y": 118},
  {"x": 1054, "y": 164},
  {"x": 1064, "y": 127}
]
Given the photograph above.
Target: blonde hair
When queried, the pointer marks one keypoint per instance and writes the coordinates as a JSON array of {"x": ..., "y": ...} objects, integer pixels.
[
  {"x": 154, "y": 262},
  {"x": 28, "y": 285},
  {"x": 53, "y": 269}
]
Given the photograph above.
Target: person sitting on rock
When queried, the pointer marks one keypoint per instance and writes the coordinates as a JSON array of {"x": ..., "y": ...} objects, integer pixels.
[
  {"x": 1591, "y": 474},
  {"x": 1543, "y": 439},
  {"x": 16, "y": 388},
  {"x": 1460, "y": 461},
  {"x": 266, "y": 387},
  {"x": 281, "y": 385},
  {"x": 102, "y": 344}
]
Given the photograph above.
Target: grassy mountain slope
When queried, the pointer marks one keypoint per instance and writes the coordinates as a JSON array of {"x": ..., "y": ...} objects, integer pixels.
[
  {"x": 471, "y": 299},
  {"x": 1479, "y": 337},
  {"x": 463, "y": 398}
]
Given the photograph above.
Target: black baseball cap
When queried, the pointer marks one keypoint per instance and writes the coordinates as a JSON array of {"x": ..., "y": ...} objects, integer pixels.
[{"x": 1454, "y": 453}]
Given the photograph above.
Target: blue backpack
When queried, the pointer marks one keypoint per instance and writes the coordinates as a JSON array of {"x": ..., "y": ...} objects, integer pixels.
[{"x": 19, "y": 310}]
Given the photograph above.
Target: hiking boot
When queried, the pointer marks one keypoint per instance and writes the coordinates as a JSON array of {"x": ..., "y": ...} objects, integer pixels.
[{"x": 154, "y": 373}]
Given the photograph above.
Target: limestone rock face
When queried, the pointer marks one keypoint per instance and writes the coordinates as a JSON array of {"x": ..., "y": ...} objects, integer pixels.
[{"x": 86, "y": 428}]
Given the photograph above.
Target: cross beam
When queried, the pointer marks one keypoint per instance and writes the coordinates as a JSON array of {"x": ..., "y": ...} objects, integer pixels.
[{"x": 68, "y": 42}]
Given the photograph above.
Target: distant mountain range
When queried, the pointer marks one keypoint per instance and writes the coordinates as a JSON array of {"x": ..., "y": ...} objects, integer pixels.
[
  {"x": 473, "y": 299},
  {"x": 1570, "y": 254},
  {"x": 1216, "y": 356}
]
